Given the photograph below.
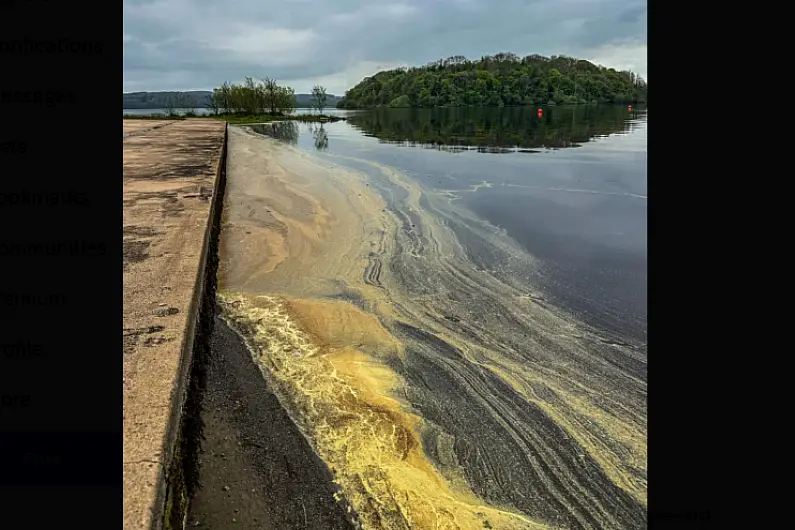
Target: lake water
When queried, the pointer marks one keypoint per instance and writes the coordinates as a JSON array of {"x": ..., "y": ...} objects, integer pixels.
[
  {"x": 569, "y": 187},
  {"x": 202, "y": 111},
  {"x": 451, "y": 304}
]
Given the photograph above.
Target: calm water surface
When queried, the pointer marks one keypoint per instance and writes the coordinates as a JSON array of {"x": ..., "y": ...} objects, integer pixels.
[
  {"x": 203, "y": 111},
  {"x": 505, "y": 255},
  {"x": 570, "y": 187}
]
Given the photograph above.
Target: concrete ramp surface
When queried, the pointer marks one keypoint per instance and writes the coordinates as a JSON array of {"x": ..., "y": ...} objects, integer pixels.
[{"x": 172, "y": 172}]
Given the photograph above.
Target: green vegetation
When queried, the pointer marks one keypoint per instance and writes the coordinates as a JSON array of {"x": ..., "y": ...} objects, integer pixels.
[
  {"x": 243, "y": 119},
  {"x": 499, "y": 81},
  {"x": 253, "y": 98},
  {"x": 319, "y": 98},
  {"x": 263, "y": 101},
  {"x": 402, "y": 101}
]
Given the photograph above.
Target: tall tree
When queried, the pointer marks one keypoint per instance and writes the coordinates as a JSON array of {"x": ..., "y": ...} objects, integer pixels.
[
  {"x": 319, "y": 98},
  {"x": 272, "y": 95},
  {"x": 214, "y": 103},
  {"x": 285, "y": 102},
  {"x": 220, "y": 101}
]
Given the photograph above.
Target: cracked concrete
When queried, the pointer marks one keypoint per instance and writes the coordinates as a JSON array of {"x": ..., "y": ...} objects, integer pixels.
[{"x": 170, "y": 175}]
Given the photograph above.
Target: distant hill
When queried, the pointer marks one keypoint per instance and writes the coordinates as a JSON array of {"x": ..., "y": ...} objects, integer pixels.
[
  {"x": 496, "y": 81},
  {"x": 304, "y": 101},
  {"x": 199, "y": 98},
  {"x": 158, "y": 100}
]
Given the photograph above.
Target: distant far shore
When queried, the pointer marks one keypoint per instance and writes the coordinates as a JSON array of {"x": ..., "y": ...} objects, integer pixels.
[{"x": 237, "y": 118}]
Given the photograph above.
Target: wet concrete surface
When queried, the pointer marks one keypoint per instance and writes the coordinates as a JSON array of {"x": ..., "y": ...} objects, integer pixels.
[{"x": 256, "y": 470}]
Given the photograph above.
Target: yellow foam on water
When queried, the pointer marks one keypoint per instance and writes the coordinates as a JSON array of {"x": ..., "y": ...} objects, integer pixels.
[{"x": 342, "y": 399}]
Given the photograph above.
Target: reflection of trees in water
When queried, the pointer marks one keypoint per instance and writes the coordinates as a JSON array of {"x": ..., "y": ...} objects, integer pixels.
[
  {"x": 282, "y": 130},
  {"x": 320, "y": 136},
  {"x": 288, "y": 131},
  {"x": 494, "y": 130}
]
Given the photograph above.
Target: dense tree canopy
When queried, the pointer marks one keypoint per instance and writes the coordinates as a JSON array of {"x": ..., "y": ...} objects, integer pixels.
[
  {"x": 501, "y": 80},
  {"x": 253, "y": 97}
]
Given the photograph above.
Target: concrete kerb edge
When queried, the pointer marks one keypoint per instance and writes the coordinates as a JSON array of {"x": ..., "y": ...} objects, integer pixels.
[{"x": 179, "y": 394}]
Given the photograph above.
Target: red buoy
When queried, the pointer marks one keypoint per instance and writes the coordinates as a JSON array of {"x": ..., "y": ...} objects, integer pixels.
[
  {"x": 540, "y": 112},
  {"x": 630, "y": 107}
]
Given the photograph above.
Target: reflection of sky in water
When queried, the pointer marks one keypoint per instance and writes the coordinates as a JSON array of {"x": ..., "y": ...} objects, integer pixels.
[{"x": 582, "y": 210}]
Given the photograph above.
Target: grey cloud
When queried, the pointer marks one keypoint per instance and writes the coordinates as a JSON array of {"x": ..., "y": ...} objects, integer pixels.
[
  {"x": 195, "y": 44},
  {"x": 634, "y": 14}
]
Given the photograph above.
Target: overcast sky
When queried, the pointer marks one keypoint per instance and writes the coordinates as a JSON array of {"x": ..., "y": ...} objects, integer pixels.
[{"x": 199, "y": 44}]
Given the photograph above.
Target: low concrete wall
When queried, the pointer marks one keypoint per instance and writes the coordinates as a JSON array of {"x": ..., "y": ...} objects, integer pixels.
[{"x": 173, "y": 184}]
